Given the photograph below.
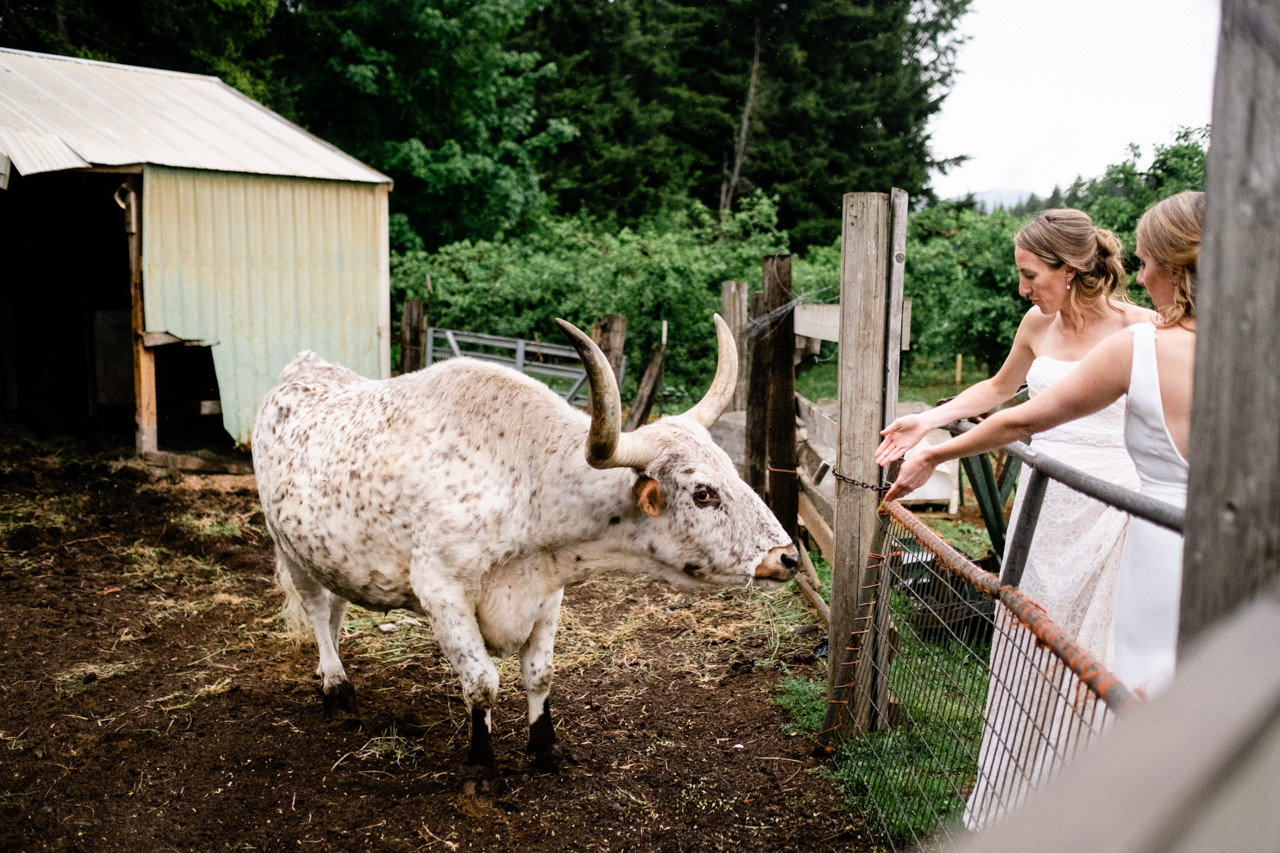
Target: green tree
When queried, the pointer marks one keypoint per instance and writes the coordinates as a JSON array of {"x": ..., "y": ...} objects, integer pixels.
[
  {"x": 1118, "y": 197},
  {"x": 962, "y": 283},
  {"x": 848, "y": 93},
  {"x": 182, "y": 35},
  {"x": 622, "y": 82},
  {"x": 427, "y": 92},
  {"x": 711, "y": 101}
]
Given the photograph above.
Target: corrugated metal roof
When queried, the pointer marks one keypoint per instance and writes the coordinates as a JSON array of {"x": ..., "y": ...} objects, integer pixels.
[{"x": 62, "y": 113}]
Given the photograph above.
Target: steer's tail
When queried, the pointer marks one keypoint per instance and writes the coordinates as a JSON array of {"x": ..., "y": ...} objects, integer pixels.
[{"x": 296, "y": 626}]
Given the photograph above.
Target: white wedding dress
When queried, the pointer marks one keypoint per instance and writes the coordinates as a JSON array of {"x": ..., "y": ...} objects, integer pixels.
[
  {"x": 1070, "y": 571},
  {"x": 1149, "y": 586}
]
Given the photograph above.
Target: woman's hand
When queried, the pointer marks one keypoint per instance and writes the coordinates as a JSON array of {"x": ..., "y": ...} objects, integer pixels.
[
  {"x": 915, "y": 472},
  {"x": 899, "y": 437}
]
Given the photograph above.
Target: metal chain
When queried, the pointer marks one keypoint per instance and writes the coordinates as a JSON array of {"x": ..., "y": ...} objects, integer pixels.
[{"x": 880, "y": 490}]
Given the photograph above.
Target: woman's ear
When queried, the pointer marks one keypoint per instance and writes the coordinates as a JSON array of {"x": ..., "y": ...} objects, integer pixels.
[{"x": 649, "y": 496}]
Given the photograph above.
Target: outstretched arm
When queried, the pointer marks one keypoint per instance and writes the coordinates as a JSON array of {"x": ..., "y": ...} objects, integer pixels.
[
  {"x": 1101, "y": 379},
  {"x": 907, "y": 431}
]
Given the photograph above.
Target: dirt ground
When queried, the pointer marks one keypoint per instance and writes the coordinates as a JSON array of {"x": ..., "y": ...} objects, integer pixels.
[{"x": 149, "y": 702}]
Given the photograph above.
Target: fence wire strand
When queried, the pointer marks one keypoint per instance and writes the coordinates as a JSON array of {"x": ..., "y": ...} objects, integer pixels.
[{"x": 976, "y": 696}]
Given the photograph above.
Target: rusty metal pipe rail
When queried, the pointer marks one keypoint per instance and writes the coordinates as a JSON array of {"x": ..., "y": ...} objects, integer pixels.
[
  {"x": 1157, "y": 512},
  {"x": 1087, "y": 668}
]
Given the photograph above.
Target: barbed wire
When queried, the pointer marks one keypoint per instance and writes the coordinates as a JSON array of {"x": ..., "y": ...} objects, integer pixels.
[{"x": 767, "y": 322}]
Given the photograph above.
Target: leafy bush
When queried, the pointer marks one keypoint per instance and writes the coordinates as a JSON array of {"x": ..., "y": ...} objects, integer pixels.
[{"x": 578, "y": 269}]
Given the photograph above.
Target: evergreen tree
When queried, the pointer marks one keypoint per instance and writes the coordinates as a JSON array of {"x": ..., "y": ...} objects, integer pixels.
[
  {"x": 685, "y": 99},
  {"x": 179, "y": 35}
]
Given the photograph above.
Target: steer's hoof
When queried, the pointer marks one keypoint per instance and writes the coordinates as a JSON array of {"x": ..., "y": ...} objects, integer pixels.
[
  {"x": 339, "y": 696},
  {"x": 481, "y": 779},
  {"x": 551, "y": 759}
]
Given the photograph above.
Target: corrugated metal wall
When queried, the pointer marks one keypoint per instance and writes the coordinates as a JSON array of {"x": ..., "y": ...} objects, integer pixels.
[{"x": 263, "y": 267}]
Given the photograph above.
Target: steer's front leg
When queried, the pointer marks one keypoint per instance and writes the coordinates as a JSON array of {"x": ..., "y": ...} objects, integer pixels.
[
  {"x": 537, "y": 669},
  {"x": 454, "y": 624}
]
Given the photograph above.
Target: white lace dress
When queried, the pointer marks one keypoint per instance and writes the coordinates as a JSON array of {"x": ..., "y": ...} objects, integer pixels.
[{"x": 1070, "y": 571}]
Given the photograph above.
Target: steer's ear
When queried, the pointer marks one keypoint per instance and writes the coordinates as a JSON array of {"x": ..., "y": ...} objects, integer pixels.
[{"x": 649, "y": 496}]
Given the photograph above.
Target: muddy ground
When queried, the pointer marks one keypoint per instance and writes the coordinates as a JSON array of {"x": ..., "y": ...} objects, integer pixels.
[{"x": 150, "y": 702}]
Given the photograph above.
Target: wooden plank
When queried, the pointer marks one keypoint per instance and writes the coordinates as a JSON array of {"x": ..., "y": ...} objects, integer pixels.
[
  {"x": 819, "y": 530},
  {"x": 818, "y": 321},
  {"x": 643, "y": 403},
  {"x": 610, "y": 334},
  {"x": 146, "y": 415},
  {"x": 864, "y": 282},
  {"x": 1233, "y": 506},
  {"x": 811, "y": 588},
  {"x": 897, "y": 261},
  {"x": 906, "y": 325},
  {"x": 820, "y": 427},
  {"x": 195, "y": 464}
]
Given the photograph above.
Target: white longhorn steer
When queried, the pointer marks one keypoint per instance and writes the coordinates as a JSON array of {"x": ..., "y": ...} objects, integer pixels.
[{"x": 473, "y": 494}]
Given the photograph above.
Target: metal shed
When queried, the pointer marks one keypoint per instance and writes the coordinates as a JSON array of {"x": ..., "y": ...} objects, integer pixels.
[{"x": 170, "y": 244}]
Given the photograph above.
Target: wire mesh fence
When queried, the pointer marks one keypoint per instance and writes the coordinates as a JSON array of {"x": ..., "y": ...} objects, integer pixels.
[{"x": 968, "y": 696}]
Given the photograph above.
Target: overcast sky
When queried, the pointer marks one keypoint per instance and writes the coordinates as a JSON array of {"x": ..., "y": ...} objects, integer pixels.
[{"x": 1049, "y": 90}]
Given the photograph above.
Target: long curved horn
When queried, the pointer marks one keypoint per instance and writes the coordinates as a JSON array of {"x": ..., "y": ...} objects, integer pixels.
[
  {"x": 607, "y": 445},
  {"x": 712, "y": 405}
]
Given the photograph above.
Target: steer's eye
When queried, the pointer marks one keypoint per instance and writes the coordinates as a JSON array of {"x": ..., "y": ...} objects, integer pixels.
[{"x": 706, "y": 496}]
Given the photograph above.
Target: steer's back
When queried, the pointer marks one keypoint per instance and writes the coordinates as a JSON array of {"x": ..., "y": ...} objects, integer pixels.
[{"x": 354, "y": 474}]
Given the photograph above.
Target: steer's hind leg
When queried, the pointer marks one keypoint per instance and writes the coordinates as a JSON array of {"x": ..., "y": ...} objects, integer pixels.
[
  {"x": 324, "y": 611},
  {"x": 537, "y": 669}
]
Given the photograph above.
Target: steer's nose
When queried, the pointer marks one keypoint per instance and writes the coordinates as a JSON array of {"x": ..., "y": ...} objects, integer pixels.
[{"x": 779, "y": 564}]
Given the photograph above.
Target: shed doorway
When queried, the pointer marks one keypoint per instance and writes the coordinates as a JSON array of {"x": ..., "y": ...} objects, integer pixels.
[{"x": 66, "y": 341}]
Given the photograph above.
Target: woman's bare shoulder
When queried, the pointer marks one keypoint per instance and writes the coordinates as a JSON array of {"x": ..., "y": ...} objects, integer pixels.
[{"x": 1137, "y": 314}]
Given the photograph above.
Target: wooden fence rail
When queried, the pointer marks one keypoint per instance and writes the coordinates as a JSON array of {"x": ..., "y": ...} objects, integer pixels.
[{"x": 557, "y": 362}]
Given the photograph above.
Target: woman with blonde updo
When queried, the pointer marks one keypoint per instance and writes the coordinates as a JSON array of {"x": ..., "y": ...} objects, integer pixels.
[
  {"x": 1149, "y": 368},
  {"x": 1074, "y": 275}
]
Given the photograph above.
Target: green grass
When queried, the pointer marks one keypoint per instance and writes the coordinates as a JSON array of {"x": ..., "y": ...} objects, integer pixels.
[
  {"x": 910, "y": 778},
  {"x": 971, "y": 540}
]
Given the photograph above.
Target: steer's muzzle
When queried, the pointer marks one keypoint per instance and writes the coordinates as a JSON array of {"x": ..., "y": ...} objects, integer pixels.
[{"x": 780, "y": 564}]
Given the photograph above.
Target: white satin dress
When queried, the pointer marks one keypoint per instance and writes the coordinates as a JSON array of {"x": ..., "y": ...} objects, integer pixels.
[{"x": 1149, "y": 586}]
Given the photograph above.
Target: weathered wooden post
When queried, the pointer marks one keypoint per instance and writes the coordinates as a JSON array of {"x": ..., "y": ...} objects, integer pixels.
[
  {"x": 757, "y": 402},
  {"x": 1233, "y": 502},
  {"x": 872, "y": 255},
  {"x": 146, "y": 417},
  {"x": 610, "y": 334},
  {"x": 780, "y": 444},
  {"x": 735, "y": 308},
  {"x": 412, "y": 325},
  {"x": 648, "y": 391}
]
